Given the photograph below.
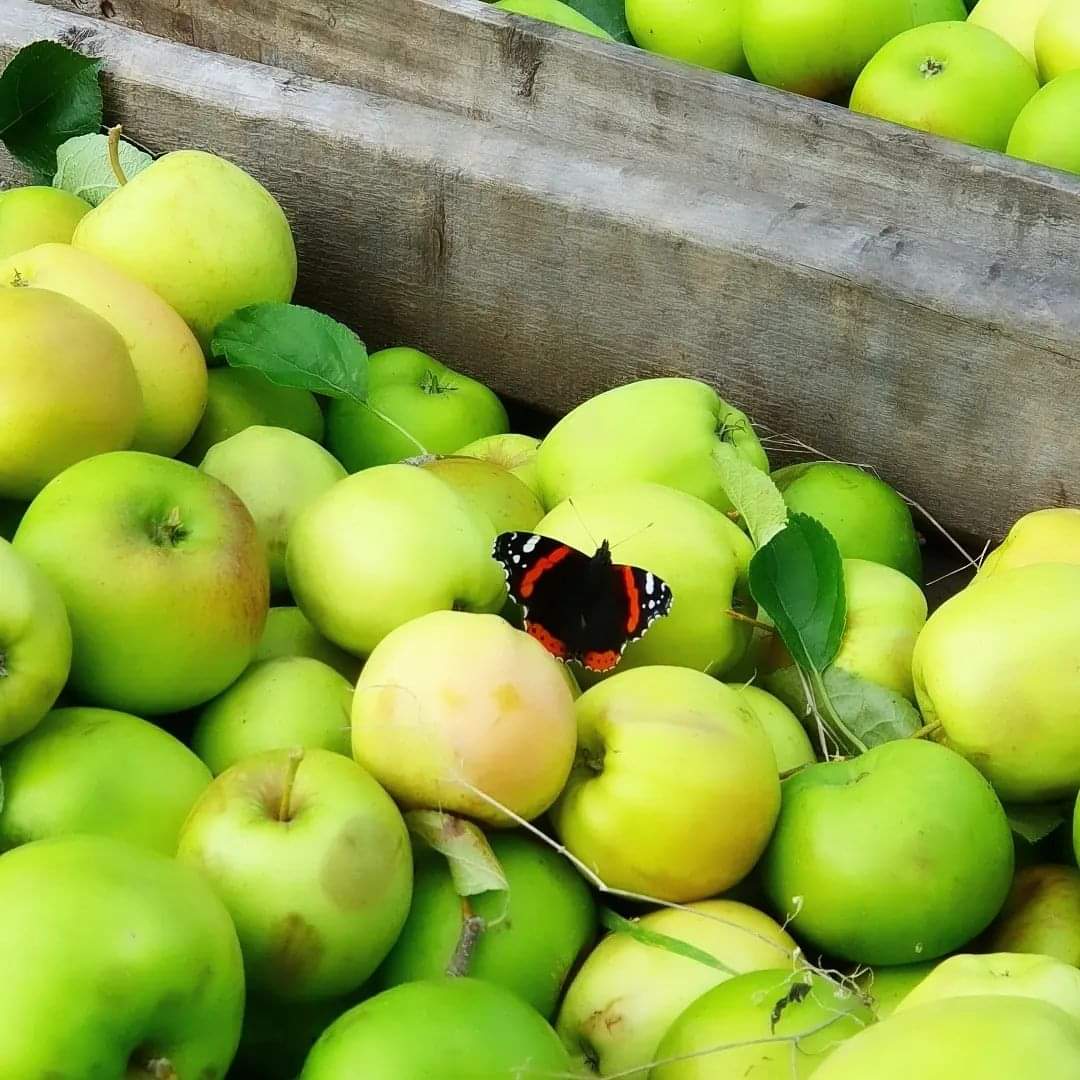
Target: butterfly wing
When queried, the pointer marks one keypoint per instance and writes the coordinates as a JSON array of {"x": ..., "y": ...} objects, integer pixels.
[{"x": 625, "y": 603}]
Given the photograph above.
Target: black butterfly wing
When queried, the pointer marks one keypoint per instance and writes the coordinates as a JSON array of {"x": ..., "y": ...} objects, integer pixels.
[{"x": 624, "y": 602}]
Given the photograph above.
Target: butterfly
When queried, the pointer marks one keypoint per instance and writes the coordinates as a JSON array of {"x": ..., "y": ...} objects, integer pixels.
[{"x": 580, "y": 607}]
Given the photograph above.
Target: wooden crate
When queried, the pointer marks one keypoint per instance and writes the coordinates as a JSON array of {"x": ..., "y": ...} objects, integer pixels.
[{"x": 556, "y": 215}]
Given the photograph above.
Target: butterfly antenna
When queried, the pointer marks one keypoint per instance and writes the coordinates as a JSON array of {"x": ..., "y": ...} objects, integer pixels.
[
  {"x": 584, "y": 525},
  {"x": 625, "y": 539}
]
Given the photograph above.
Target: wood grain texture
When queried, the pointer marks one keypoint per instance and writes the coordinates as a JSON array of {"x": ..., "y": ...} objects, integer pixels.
[{"x": 933, "y": 330}]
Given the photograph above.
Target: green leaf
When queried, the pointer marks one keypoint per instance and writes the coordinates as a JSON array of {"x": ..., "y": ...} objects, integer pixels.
[
  {"x": 48, "y": 94},
  {"x": 798, "y": 579},
  {"x": 872, "y": 713},
  {"x": 295, "y": 346},
  {"x": 753, "y": 494},
  {"x": 609, "y": 15},
  {"x": 473, "y": 865},
  {"x": 82, "y": 167},
  {"x": 616, "y": 923},
  {"x": 1035, "y": 823}
]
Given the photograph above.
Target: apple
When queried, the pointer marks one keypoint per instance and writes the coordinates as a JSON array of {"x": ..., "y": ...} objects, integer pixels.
[
  {"x": 452, "y": 707},
  {"x": 886, "y": 987},
  {"x": 98, "y": 771},
  {"x": 992, "y": 1038},
  {"x": 952, "y": 78},
  {"x": 627, "y": 993},
  {"x": 1013, "y": 22},
  {"x": 996, "y": 667},
  {"x": 898, "y": 855},
  {"x": 275, "y": 705},
  {"x": 554, "y": 11},
  {"x": 866, "y": 517},
  {"x": 67, "y": 388},
  {"x": 1051, "y": 535},
  {"x": 276, "y": 473},
  {"x": 658, "y": 430},
  {"x": 534, "y": 932},
  {"x": 699, "y": 32},
  {"x": 791, "y": 745},
  {"x": 162, "y": 574},
  {"x": 37, "y": 215},
  {"x": 1041, "y": 915},
  {"x": 927, "y": 11},
  {"x": 203, "y": 234},
  {"x": 311, "y": 857},
  {"x": 514, "y": 452},
  {"x": 11, "y": 512},
  {"x": 1047, "y": 131},
  {"x": 289, "y": 633},
  {"x": 118, "y": 962},
  {"x": 168, "y": 362},
  {"x": 491, "y": 488},
  {"x": 239, "y": 398},
  {"x": 678, "y": 761},
  {"x": 1057, "y": 40},
  {"x": 385, "y": 546},
  {"x": 696, "y": 549},
  {"x": 441, "y": 409}
]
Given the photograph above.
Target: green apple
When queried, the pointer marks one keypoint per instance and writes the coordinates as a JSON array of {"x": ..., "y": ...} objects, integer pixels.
[
  {"x": 866, "y": 517},
  {"x": 275, "y": 705},
  {"x": 1051, "y": 535},
  {"x": 899, "y": 855},
  {"x": 953, "y": 79},
  {"x": 37, "y": 215},
  {"x": 658, "y": 430},
  {"x": 11, "y": 512},
  {"x": 1047, "y": 131},
  {"x": 311, "y": 857},
  {"x": 239, "y": 398},
  {"x": 700, "y": 32},
  {"x": 289, "y": 633},
  {"x": 791, "y": 745},
  {"x": 67, "y": 388},
  {"x": 554, "y": 11},
  {"x": 1013, "y": 21},
  {"x": 628, "y": 993},
  {"x": 818, "y": 48},
  {"x": 385, "y": 546},
  {"x": 514, "y": 452},
  {"x": 276, "y": 472},
  {"x": 991, "y": 1038},
  {"x": 163, "y": 577},
  {"x": 35, "y": 645},
  {"x": 534, "y": 932},
  {"x": 696, "y": 549},
  {"x": 1041, "y": 915},
  {"x": 204, "y": 235},
  {"x": 168, "y": 362},
  {"x": 927, "y": 11},
  {"x": 1057, "y": 40},
  {"x": 455, "y": 709},
  {"x": 102, "y": 772},
  {"x": 118, "y": 962},
  {"x": 492, "y": 489},
  {"x": 996, "y": 667},
  {"x": 441, "y": 409},
  {"x": 678, "y": 761},
  {"x": 886, "y": 987}
]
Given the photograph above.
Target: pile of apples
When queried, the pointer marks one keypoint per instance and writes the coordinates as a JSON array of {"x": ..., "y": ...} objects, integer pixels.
[{"x": 288, "y": 791}]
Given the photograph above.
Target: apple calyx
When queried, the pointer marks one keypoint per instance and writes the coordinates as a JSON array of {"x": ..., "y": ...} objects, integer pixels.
[
  {"x": 284, "y": 809},
  {"x": 429, "y": 384},
  {"x": 146, "y": 1067},
  {"x": 931, "y": 67},
  {"x": 170, "y": 532},
  {"x": 3, "y": 665}
]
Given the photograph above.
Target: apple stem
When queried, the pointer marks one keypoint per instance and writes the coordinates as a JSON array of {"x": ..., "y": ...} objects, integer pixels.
[
  {"x": 114, "y": 154},
  {"x": 296, "y": 755},
  {"x": 738, "y": 616},
  {"x": 927, "y": 730},
  {"x": 472, "y": 926}
]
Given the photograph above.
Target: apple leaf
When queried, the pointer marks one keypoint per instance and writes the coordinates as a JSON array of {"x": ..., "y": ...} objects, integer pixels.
[
  {"x": 873, "y": 714},
  {"x": 614, "y": 922},
  {"x": 1035, "y": 823},
  {"x": 48, "y": 94},
  {"x": 82, "y": 167},
  {"x": 753, "y": 494},
  {"x": 473, "y": 865},
  {"x": 609, "y": 15}
]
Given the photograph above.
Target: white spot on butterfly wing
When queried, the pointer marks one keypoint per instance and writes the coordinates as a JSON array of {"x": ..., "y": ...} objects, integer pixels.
[{"x": 530, "y": 545}]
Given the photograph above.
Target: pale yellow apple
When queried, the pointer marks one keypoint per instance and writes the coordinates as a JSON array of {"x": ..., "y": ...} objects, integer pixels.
[
  {"x": 790, "y": 743},
  {"x": 512, "y": 451},
  {"x": 886, "y": 986},
  {"x": 38, "y": 215},
  {"x": 1041, "y": 915},
  {"x": 504, "y": 499},
  {"x": 1014, "y": 20},
  {"x": 1051, "y": 535},
  {"x": 1057, "y": 39}
]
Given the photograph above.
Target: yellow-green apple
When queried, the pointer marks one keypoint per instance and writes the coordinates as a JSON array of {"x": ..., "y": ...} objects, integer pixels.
[
  {"x": 791, "y": 745},
  {"x": 162, "y": 574},
  {"x": 38, "y": 215},
  {"x": 744, "y": 1021},
  {"x": 1051, "y": 535},
  {"x": 925, "y": 11},
  {"x": 1013, "y": 21},
  {"x": 533, "y": 932},
  {"x": 311, "y": 857},
  {"x": 35, "y": 645},
  {"x": 138, "y": 941},
  {"x": 1041, "y": 915},
  {"x": 168, "y": 362},
  {"x": 885, "y": 987},
  {"x": 239, "y": 398},
  {"x": 385, "y": 546},
  {"x": 992, "y": 1038},
  {"x": 556, "y": 12},
  {"x": 450, "y": 1028},
  {"x": 275, "y": 705},
  {"x": 628, "y": 993},
  {"x": 455, "y": 709},
  {"x": 1047, "y": 131},
  {"x": 1057, "y": 40},
  {"x": 441, "y": 409},
  {"x": 490, "y": 488},
  {"x": 657, "y": 430},
  {"x": 868, "y": 520},
  {"x": 694, "y": 838},
  {"x": 952, "y": 78},
  {"x": 67, "y": 388},
  {"x": 514, "y": 452},
  {"x": 276, "y": 473},
  {"x": 289, "y": 633},
  {"x": 701, "y": 554},
  {"x": 11, "y": 512},
  {"x": 98, "y": 771},
  {"x": 203, "y": 234},
  {"x": 996, "y": 667},
  {"x": 898, "y": 855},
  {"x": 697, "y": 31}
]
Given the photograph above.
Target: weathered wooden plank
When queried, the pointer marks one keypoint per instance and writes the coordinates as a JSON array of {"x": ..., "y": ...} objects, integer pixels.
[{"x": 553, "y": 276}]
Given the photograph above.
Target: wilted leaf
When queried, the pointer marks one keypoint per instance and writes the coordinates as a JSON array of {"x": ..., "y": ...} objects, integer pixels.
[
  {"x": 753, "y": 494},
  {"x": 1035, "y": 823},
  {"x": 473, "y": 865},
  {"x": 82, "y": 167},
  {"x": 872, "y": 713}
]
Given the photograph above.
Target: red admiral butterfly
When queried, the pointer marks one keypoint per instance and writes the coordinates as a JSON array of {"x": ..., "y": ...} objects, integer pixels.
[{"x": 580, "y": 607}]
